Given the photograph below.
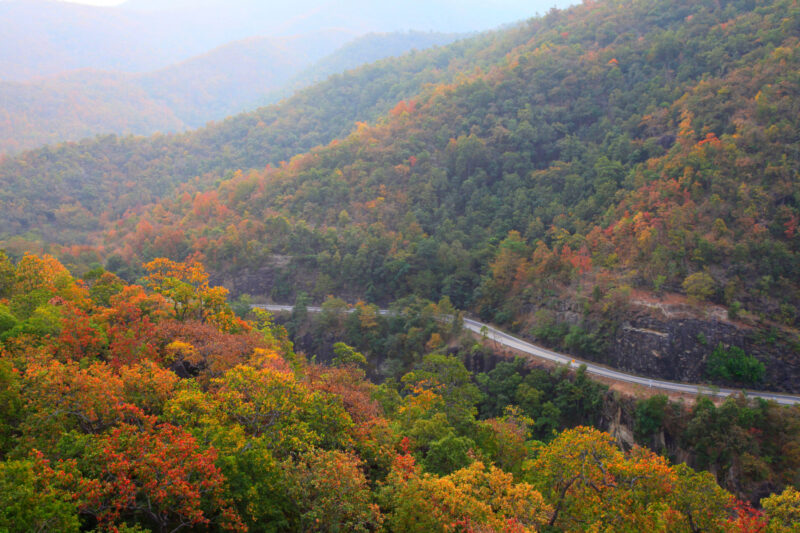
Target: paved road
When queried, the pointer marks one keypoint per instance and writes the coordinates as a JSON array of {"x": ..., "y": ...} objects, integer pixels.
[{"x": 510, "y": 341}]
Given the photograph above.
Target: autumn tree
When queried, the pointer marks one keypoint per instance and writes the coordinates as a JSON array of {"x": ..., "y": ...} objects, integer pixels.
[
  {"x": 477, "y": 498},
  {"x": 592, "y": 484},
  {"x": 36, "y": 495},
  {"x": 330, "y": 493},
  {"x": 186, "y": 287},
  {"x": 160, "y": 476},
  {"x": 783, "y": 511}
]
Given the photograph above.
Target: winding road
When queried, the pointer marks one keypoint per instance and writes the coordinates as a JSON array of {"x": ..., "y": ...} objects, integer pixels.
[{"x": 509, "y": 341}]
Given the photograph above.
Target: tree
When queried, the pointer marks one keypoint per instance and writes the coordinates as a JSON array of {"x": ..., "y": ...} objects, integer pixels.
[
  {"x": 6, "y": 275},
  {"x": 159, "y": 476},
  {"x": 591, "y": 484},
  {"x": 448, "y": 454},
  {"x": 186, "y": 287},
  {"x": 271, "y": 403},
  {"x": 61, "y": 397},
  {"x": 783, "y": 511},
  {"x": 346, "y": 355},
  {"x": 699, "y": 286},
  {"x": 10, "y": 404},
  {"x": 733, "y": 364},
  {"x": 505, "y": 439},
  {"x": 330, "y": 493},
  {"x": 450, "y": 379},
  {"x": 36, "y": 497},
  {"x": 477, "y": 498},
  {"x": 698, "y": 502}
]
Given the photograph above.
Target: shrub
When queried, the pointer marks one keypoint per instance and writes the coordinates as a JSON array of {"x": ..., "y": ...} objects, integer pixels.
[{"x": 733, "y": 364}]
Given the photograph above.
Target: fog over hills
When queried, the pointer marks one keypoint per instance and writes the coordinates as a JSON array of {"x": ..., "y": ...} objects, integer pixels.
[
  {"x": 69, "y": 71},
  {"x": 42, "y": 37}
]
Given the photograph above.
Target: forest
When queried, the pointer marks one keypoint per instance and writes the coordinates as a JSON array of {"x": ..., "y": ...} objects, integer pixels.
[
  {"x": 593, "y": 164},
  {"x": 617, "y": 181},
  {"x": 155, "y": 407}
]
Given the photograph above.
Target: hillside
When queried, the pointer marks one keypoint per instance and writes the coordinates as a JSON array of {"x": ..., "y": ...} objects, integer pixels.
[
  {"x": 361, "y": 51},
  {"x": 597, "y": 159},
  {"x": 44, "y": 37},
  {"x": 78, "y": 105},
  {"x": 231, "y": 78},
  {"x": 154, "y": 407},
  {"x": 619, "y": 180},
  {"x": 561, "y": 179},
  {"x": 60, "y": 193}
]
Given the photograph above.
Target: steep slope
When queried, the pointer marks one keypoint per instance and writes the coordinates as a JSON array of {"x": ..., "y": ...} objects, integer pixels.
[{"x": 624, "y": 147}]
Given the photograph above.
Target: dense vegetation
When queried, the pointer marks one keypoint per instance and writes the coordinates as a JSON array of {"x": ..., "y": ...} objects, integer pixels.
[
  {"x": 155, "y": 408},
  {"x": 597, "y": 157},
  {"x": 59, "y": 193},
  {"x": 747, "y": 444},
  {"x": 618, "y": 150}
]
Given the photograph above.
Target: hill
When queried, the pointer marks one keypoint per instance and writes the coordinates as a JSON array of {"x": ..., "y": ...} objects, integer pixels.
[
  {"x": 616, "y": 179},
  {"x": 366, "y": 49},
  {"x": 228, "y": 80},
  {"x": 155, "y": 407},
  {"x": 44, "y": 38},
  {"x": 114, "y": 174},
  {"x": 77, "y": 105},
  {"x": 597, "y": 166}
]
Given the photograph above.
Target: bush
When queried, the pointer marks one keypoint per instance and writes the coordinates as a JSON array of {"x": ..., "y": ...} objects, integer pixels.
[
  {"x": 733, "y": 364},
  {"x": 699, "y": 286}
]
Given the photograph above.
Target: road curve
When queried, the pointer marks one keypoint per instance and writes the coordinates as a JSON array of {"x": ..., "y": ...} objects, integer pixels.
[{"x": 509, "y": 341}]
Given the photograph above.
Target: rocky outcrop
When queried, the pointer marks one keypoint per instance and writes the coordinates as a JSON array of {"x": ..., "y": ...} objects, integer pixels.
[
  {"x": 258, "y": 281},
  {"x": 668, "y": 342}
]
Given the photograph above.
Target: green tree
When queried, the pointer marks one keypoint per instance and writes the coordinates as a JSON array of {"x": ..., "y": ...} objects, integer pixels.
[
  {"x": 699, "y": 286},
  {"x": 733, "y": 364}
]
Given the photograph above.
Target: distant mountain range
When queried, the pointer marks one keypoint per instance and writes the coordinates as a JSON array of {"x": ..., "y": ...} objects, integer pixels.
[
  {"x": 44, "y": 38},
  {"x": 228, "y": 80},
  {"x": 69, "y": 71}
]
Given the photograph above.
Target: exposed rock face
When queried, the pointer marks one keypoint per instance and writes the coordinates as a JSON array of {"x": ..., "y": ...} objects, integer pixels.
[
  {"x": 669, "y": 343},
  {"x": 677, "y": 349},
  {"x": 259, "y": 281}
]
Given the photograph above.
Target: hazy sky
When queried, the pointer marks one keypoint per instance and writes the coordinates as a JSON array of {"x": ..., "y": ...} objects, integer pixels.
[{"x": 96, "y": 2}]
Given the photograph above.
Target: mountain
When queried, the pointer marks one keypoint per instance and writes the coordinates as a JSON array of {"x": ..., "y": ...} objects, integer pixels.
[
  {"x": 602, "y": 188},
  {"x": 303, "y": 15},
  {"x": 77, "y": 105},
  {"x": 617, "y": 180},
  {"x": 44, "y": 38},
  {"x": 366, "y": 49},
  {"x": 114, "y": 174},
  {"x": 230, "y": 79}
]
